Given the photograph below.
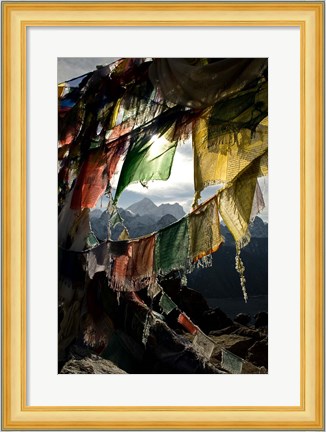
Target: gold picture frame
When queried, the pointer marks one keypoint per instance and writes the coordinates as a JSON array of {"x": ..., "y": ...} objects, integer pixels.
[{"x": 16, "y": 18}]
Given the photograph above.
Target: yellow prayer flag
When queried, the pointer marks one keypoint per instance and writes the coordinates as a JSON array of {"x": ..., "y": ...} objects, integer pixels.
[
  {"x": 204, "y": 230},
  {"x": 238, "y": 201},
  {"x": 225, "y": 159}
]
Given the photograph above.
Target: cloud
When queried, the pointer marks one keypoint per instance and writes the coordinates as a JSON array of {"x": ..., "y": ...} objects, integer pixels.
[{"x": 72, "y": 67}]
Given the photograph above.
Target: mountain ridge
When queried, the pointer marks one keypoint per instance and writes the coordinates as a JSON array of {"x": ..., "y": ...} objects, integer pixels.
[{"x": 147, "y": 206}]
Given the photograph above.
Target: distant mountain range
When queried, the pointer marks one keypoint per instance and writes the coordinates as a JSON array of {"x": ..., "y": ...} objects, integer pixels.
[
  {"x": 219, "y": 281},
  {"x": 142, "y": 217},
  {"x": 145, "y": 217}
]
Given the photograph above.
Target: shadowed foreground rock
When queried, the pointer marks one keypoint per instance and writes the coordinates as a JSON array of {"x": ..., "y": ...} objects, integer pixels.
[
  {"x": 110, "y": 338},
  {"x": 91, "y": 365}
]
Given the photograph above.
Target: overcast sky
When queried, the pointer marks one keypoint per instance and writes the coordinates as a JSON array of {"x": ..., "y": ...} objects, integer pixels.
[{"x": 180, "y": 186}]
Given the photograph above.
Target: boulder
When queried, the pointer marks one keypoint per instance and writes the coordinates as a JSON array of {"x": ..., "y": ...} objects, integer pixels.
[
  {"x": 261, "y": 319},
  {"x": 243, "y": 319},
  {"x": 214, "y": 319},
  {"x": 192, "y": 303},
  {"x": 258, "y": 353}
]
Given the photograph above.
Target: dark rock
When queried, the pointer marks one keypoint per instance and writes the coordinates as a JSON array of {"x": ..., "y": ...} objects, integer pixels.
[
  {"x": 237, "y": 345},
  {"x": 243, "y": 319},
  {"x": 188, "y": 300},
  {"x": 261, "y": 319},
  {"x": 125, "y": 352},
  {"x": 258, "y": 353},
  {"x": 192, "y": 303},
  {"x": 214, "y": 319},
  {"x": 61, "y": 314},
  {"x": 171, "y": 284},
  {"x": 249, "y": 368}
]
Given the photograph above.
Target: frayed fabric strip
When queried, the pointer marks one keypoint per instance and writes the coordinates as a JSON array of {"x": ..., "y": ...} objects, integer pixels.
[
  {"x": 240, "y": 268},
  {"x": 133, "y": 270}
]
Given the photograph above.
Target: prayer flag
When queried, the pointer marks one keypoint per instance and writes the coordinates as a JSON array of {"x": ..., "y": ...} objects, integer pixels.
[
  {"x": 148, "y": 158},
  {"x": 167, "y": 304},
  {"x": 133, "y": 270},
  {"x": 198, "y": 83},
  {"x": 91, "y": 182},
  {"x": 223, "y": 159},
  {"x": 124, "y": 235},
  {"x": 154, "y": 290},
  {"x": 231, "y": 362},
  {"x": 98, "y": 260},
  {"x": 172, "y": 247},
  {"x": 187, "y": 324},
  {"x": 237, "y": 202},
  {"x": 204, "y": 229},
  {"x": 203, "y": 344}
]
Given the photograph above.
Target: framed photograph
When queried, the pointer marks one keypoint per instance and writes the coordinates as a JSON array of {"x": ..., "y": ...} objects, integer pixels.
[{"x": 163, "y": 196}]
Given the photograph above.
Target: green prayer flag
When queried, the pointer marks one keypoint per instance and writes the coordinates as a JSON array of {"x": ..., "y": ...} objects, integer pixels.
[
  {"x": 91, "y": 241},
  {"x": 167, "y": 304},
  {"x": 148, "y": 158},
  {"x": 172, "y": 247},
  {"x": 231, "y": 362}
]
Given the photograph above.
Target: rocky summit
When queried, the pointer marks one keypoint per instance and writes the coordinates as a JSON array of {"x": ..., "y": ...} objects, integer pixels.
[{"x": 147, "y": 207}]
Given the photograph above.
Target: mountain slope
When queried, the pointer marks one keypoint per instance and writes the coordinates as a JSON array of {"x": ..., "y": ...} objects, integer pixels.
[{"x": 143, "y": 207}]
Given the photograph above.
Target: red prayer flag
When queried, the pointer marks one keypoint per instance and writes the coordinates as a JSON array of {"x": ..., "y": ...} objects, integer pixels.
[
  {"x": 91, "y": 182},
  {"x": 187, "y": 324}
]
